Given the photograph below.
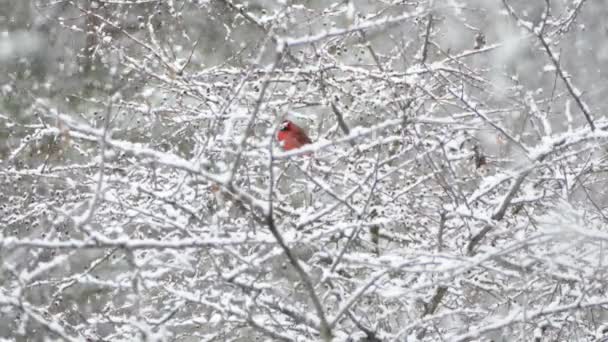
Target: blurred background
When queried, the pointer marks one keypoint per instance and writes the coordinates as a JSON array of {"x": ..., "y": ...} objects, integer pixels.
[{"x": 456, "y": 191}]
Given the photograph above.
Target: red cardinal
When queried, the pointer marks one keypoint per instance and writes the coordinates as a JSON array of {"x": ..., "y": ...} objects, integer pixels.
[{"x": 292, "y": 136}]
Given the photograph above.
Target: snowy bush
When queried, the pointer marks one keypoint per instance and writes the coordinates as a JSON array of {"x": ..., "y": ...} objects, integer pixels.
[{"x": 454, "y": 189}]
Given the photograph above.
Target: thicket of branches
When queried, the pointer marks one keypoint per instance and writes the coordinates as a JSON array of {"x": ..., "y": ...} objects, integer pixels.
[{"x": 454, "y": 189}]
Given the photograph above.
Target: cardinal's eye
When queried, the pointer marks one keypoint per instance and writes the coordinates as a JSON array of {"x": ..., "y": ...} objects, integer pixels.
[{"x": 284, "y": 127}]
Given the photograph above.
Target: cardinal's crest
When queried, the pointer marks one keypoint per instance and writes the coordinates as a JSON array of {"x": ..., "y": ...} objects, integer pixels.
[{"x": 283, "y": 126}]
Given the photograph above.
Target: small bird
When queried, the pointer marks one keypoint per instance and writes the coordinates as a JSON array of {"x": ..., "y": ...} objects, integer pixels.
[{"x": 292, "y": 136}]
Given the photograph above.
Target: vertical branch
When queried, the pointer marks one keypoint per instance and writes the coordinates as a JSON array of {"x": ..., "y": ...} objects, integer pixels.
[
  {"x": 82, "y": 222},
  {"x": 427, "y": 38},
  {"x": 325, "y": 329},
  {"x": 91, "y": 25}
]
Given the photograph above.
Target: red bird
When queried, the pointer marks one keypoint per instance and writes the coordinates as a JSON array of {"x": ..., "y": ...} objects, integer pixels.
[{"x": 292, "y": 136}]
